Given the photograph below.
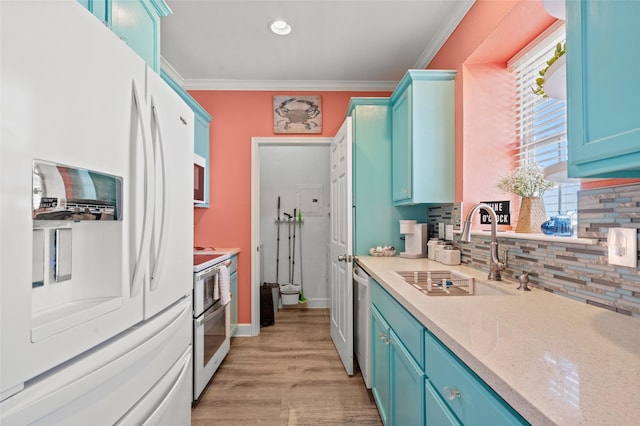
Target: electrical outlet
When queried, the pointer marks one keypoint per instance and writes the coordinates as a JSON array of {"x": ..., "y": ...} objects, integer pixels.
[
  {"x": 448, "y": 232},
  {"x": 623, "y": 247}
]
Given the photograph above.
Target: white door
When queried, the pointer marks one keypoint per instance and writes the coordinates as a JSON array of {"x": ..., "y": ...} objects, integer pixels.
[{"x": 341, "y": 246}]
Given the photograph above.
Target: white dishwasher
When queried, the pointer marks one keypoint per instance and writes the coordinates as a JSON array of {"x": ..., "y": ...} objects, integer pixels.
[{"x": 362, "y": 319}]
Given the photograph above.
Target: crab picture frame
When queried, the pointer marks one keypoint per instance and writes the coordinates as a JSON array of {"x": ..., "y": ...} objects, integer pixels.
[{"x": 297, "y": 114}]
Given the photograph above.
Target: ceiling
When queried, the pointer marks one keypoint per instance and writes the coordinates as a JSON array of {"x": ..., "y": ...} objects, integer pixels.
[{"x": 335, "y": 44}]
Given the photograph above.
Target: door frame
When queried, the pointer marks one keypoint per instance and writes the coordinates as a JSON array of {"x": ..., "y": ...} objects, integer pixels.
[{"x": 256, "y": 144}]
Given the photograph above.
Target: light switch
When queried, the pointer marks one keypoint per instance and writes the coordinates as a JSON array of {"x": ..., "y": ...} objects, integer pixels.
[{"x": 623, "y": 247}]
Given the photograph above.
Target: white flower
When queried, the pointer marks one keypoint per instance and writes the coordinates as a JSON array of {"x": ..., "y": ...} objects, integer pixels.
[{"x": 525, "y": 181}]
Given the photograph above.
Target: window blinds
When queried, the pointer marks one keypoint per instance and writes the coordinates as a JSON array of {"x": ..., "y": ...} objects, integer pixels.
[{"x": 541, "y": 123}]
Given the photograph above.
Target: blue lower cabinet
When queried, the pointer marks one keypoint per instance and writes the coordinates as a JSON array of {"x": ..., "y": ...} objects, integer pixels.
[
  {"x": 398, "y": 377},
  {"x": 380, "y": 384},
  {"x": 428, "y": 385},
  {"x": 407, "y": 386},
  {"x": 465, "y": 394},
  {"x": 436, "y": 410},
  {"x": 233, "y": 328}
]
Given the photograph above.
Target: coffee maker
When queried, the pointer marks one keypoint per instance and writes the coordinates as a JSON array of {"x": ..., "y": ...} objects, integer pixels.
[{"x": 415, "y": 239}]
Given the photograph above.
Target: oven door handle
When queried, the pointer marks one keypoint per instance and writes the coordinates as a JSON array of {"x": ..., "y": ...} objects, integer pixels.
[{"x": 204, "y": 319}]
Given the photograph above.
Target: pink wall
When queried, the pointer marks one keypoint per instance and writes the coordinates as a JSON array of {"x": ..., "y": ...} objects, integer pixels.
[
  {"x": 479, "y": 48},
  {"x": 238, "y": 116}
]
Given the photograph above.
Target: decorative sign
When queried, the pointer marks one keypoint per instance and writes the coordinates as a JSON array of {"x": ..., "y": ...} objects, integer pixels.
[
  {"x": 297, "y": 114},
  {"x": 502, "y": 209}
]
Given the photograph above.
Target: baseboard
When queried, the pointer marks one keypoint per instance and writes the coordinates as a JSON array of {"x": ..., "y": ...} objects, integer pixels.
[
  {"x": 244, "y": 330},
  {"x": 311, "y": 303}
]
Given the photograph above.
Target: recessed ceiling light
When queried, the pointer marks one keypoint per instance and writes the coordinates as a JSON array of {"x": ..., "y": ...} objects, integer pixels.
[{"x": 280, "y": 27}]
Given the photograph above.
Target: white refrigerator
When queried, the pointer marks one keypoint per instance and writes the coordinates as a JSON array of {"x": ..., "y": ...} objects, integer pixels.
[{"x": 96, "y": 224}]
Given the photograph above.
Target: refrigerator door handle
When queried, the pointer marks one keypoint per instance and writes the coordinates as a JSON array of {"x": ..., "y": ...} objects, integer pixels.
[
  {"x": 142, "y": 251},
  {"x": 160, "y": 250}
]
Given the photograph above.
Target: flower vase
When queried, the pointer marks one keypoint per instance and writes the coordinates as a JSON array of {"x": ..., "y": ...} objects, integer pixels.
[{"x": 532, "y": 215}]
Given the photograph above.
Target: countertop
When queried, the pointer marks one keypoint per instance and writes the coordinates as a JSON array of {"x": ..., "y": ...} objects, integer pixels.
[{"x": 553, "y": 359}]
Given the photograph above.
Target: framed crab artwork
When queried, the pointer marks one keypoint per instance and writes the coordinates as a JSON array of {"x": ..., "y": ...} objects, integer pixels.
[{"x": 297, "y": 114}]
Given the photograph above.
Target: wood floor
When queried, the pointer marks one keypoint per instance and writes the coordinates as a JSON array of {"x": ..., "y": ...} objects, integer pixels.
[{"x": 288, "y": 375}]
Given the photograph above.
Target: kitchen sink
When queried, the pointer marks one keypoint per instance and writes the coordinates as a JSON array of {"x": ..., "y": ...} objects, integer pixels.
[{"x": 449, "y": 283}]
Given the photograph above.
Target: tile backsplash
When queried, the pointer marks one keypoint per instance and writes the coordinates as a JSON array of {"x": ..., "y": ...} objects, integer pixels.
[{"x": 578, "y": 271}]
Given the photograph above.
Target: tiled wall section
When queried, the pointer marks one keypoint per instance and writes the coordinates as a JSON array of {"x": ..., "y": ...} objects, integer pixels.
[
  {"x": 443, "y": 213},
  {"x": 577, "y": 271}
]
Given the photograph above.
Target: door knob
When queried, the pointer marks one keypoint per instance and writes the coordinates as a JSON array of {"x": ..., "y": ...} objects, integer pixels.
[{"x": 345, "y": 258}]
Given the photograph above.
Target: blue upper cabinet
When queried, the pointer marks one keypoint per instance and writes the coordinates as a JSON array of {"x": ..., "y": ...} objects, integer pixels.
[
  {"x": 603, "y": 90},
  {"x": 100, "y": 8},
  {"x": 201, "y": 130},
  {"x": 136, "y": 22},
  {"x": 422, "y": 126}
]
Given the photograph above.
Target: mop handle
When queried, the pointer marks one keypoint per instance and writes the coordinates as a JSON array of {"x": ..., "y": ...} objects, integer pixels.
[
  {"x": 293, "y": 248},
  {"x": 289, "y": 243},
  {"x": 278, "y": 243}
]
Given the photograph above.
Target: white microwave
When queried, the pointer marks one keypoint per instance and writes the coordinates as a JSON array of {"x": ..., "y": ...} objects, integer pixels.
[{"x": 199, "y": 178}]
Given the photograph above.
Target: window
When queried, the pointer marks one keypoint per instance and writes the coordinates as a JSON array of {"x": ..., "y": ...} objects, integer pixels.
[{"x": 542, "y": 122}]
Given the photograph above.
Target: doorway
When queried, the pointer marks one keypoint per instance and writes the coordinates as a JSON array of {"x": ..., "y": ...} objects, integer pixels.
[{"x": 296, "y": 169}]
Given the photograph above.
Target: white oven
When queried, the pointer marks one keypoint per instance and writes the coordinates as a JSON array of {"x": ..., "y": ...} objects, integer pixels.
[{"x": 211, "y": 340}]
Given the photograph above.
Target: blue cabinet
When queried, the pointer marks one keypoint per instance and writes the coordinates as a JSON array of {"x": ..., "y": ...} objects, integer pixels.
[
  {"x": 422, "y": 123},
  {"x": 233, "y": 326},
  {"x": 437, "y": 412},
  {"x": 136, "y": 22},
  {"x": 371, "y": 124},
  {"x": 201, "y": 131},
  {"x": 417, "y": 380},
  {"x": 407, "y": 385},
  {"x": 462, "y": 391},
  {"x": 603, "y": 89},
  {"x": 100, "y": 8},
  {"x": 397, "y": 361},
  {"x": 380, "y": 383}
]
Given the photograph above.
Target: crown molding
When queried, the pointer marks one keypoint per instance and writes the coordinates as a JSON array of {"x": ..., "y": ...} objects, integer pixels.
[
  {"x": 171, "y": 71},
  {"x": 299, "y": 85},
  {"x": 447, "y": 29},
  {"x": 274, "y": 85}
]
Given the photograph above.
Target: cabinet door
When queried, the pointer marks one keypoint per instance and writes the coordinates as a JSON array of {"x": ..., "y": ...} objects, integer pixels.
[
  {"x": 603, "y": 89},
  {"x": 138, "y": 25},
  {"x": 466, "y": 395},
  {"x": 401, "y": 149},
  {"x": 407, "y": 386},
  {"x": 436, "y": 411},
  {"x": 100, "y": 8},
  {"x": 380, "y": 363}
]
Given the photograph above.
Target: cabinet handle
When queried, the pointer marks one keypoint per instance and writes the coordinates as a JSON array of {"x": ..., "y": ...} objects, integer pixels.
[{"x": 453, "y": 393}]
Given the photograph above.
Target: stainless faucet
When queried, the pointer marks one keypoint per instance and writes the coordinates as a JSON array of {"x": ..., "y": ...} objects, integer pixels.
[{"x": 495, "y": 266}]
